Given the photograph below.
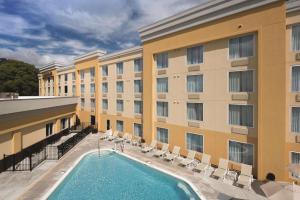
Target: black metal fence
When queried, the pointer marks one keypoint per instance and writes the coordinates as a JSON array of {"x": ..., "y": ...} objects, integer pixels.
[{"x": 32, "y": 156}]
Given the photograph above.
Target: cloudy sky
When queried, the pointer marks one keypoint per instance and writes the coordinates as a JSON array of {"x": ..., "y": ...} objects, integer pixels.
[{"x": 41, "y": 31}]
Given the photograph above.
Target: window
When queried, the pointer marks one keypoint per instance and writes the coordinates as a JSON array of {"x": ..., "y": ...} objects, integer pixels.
[
  {"x": 296, "y": 119},
  {"x": 82, "y": 88},
  {"x": 162, "y": 85},
  {"x": 120, "y": 68},
  {"x": 104, "y": 104},
  {"x": 82, "y": 75},
  {"x": 92, "y": 88},
  {"x": 195, "y": 55},
  {"x": 195, "y": 111},
  {"x": 194, "y": 142},
  {"x": 66, "y": 77},
  {"x": 138, "y": 65},
  {"x": 49, "y": 91},
  {"x": 120, "y": 87},
  {"x": 59, "y": 79},
  {"x": 104, "y": 70},
  {"x": 120, "y": 106},
  {"x": 138, "y": 130},
  {"x": 120, "y": 126},
  {"x": 162, "y": 60},
  {"x": 241, "y": 115},
  {"x": 296, "y": 79},
  {"x": 49, "y": 129},
  {"x": 105, "y": 87},
  {"x": 92, "y": 72},
  {"x": 73, "y": 76},
  {"x": 59, "y": 90},
  {"x": 241, "y": 47},
  {"x": 93, "y": 105},
  {"x": 64, "y": 123},
  {"x": 296, "y": 37},
  {"x": 295, "y": 159},
  {"x": 138, "y": 86},
  {"x": 138, "y": 107},
  {"x": 241, "y": 81},
  {"x": 66, "y": 89},
  {"x": 73, "y": 89},
  {"x": 82, "y": 102},
  {"x": 241, "y": 152},
  {"x": 162, "y": 109},
  {"x": 195, "y": 83},
  {"x": 162, "y": 135}
]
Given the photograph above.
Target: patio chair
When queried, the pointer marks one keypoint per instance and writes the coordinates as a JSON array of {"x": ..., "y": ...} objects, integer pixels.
[
  {"x": 189, "y": 159},
  {"x": 175, "y": 153},
  {"x": 150, "y": 147},
  {"x": 106, "y": 134},
  {"x": 136, "y": 140},
  {"x": 222, "y": 169},
  {"x": 246, "y": 177},
  {"x": 114, "y": 136},
  {"x": 204, "y": 164},
  {"x": 163, "y": 151}
]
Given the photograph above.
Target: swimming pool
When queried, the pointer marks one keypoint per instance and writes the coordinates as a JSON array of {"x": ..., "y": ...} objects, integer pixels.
[{"x": 114, "y": 176}]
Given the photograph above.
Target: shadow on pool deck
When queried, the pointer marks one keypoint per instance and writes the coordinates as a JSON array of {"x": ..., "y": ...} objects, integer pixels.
[{"x": 33, "y": 185}]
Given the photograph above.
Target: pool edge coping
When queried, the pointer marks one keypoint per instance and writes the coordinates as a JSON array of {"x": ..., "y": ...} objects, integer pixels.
[{"x": 61, "y": 179}]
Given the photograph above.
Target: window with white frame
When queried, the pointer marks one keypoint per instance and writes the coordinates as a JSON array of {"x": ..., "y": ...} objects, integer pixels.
[
  {"x": 120, "y": 105},
  {"x": 162, "y": 109},
  {"x": 241, "y": 81},
  {"x": 92, "y": 72},
  {"x": 195, "y": 55},
  {"x": 162, "y": 60},
  {"x": 195, "y": 83},
  {"x": 49, "y": 129},
  {"x": 73, "y": 89},
  {"x": 295, "y": 159},
  {"x": 104, "y": 104},
  {"x": 138, "y": 65},
  {"x": 82, "y": 102},
  {"x": 241, "y": 47},
  {"x": 296, "y": 79},
  {"x": 296, "y": 37},
  {"x": 66, "y": 89},
  {"x": 105, "y": 87},
  {"x": 138, "y": 107},
  {"x": 104, "y": 70},
  {"x": 93, "y": 105},
  {"x": 194, "y": 142},
  {"x": 295, "y": 119},
  {"x": 138, "y": 130},
  {"x": 138, "y": 86},
  {"x": 59, "y": 90},
  {"x": 73, "y": 76},
  {"x": 64, "y": 123},
  {"x": 120, "y": 125},
  {"x": 92, "y": 88},
  {"x": 241, "y": 115},
  {"x": 162, "y": 135},
  {"x": 241, "y": 152},
  {"x": 82, "y": 88},
  {"x": 162, "y": 85},
  {"x": 120, "y": 68},
  {"x": 66, "y": 77},
  {"x": 195, "y": 111},
  {"x": 120, "y": 87},
  {"x": 59, "y": 79},
  {"x": 82, "y": 75}
]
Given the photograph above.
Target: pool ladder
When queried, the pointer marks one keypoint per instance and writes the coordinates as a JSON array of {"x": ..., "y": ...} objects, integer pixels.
[{"x": 99, "y": 148}]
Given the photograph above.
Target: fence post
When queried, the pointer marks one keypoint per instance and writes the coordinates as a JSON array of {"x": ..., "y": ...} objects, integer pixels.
[
  {"x": 4, "y": 164},
  {"x": 14, "y": 162},
  {"x": 30, "y": 162}
]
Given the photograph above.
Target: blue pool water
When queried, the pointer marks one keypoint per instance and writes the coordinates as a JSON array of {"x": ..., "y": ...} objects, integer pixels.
[{"x": 113, "y": 176}]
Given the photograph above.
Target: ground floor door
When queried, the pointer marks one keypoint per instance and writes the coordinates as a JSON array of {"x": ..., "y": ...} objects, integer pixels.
[
  {"x": 93, "y": 120},
  {"x": 107, "y": 124}
]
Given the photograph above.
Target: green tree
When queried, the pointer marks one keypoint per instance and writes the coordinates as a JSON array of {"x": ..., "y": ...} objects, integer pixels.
[{"x": 17, "y": 76}]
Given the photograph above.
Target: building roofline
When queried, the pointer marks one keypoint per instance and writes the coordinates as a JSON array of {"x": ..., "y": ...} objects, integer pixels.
[
  {"x": 88, "y": 55},
  {"x": 292, "y": 6},
  {"x": 65, "y": 68},
  {"x": 50, "y": 66},
  {"x": 124, "y": 52},
  {"x": 203, "y": 13}
]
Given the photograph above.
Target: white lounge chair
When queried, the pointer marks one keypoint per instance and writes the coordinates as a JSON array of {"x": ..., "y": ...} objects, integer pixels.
[
  {"x": 222, "y": 169},
  {"x": 106, "y": 134},
  {"x": 136, "y": 140},
  {"x": 175, "y": 153},
  {"x": 114, "y": 136},
  {"x": 150, "y": 147},
  {"x": 163, "y": 151},
  {"x": 204, "y": 164},
  {"x": 246, "y": 177},
  {"x": 189, "y": 159}
]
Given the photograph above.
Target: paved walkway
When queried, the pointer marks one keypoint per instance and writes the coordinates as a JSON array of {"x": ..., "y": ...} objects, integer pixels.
[{"x": 33, "y": 185}]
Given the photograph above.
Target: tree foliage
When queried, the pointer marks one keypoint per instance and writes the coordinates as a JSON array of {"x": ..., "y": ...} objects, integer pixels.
[{"x": 17, "y": 76}]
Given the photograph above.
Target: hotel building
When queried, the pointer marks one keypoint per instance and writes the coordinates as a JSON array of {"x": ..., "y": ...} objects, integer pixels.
[{"x": 221, "y": 78}]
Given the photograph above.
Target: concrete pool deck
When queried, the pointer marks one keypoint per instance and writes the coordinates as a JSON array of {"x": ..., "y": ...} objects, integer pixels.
[{"x": 35, "y": 184}]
